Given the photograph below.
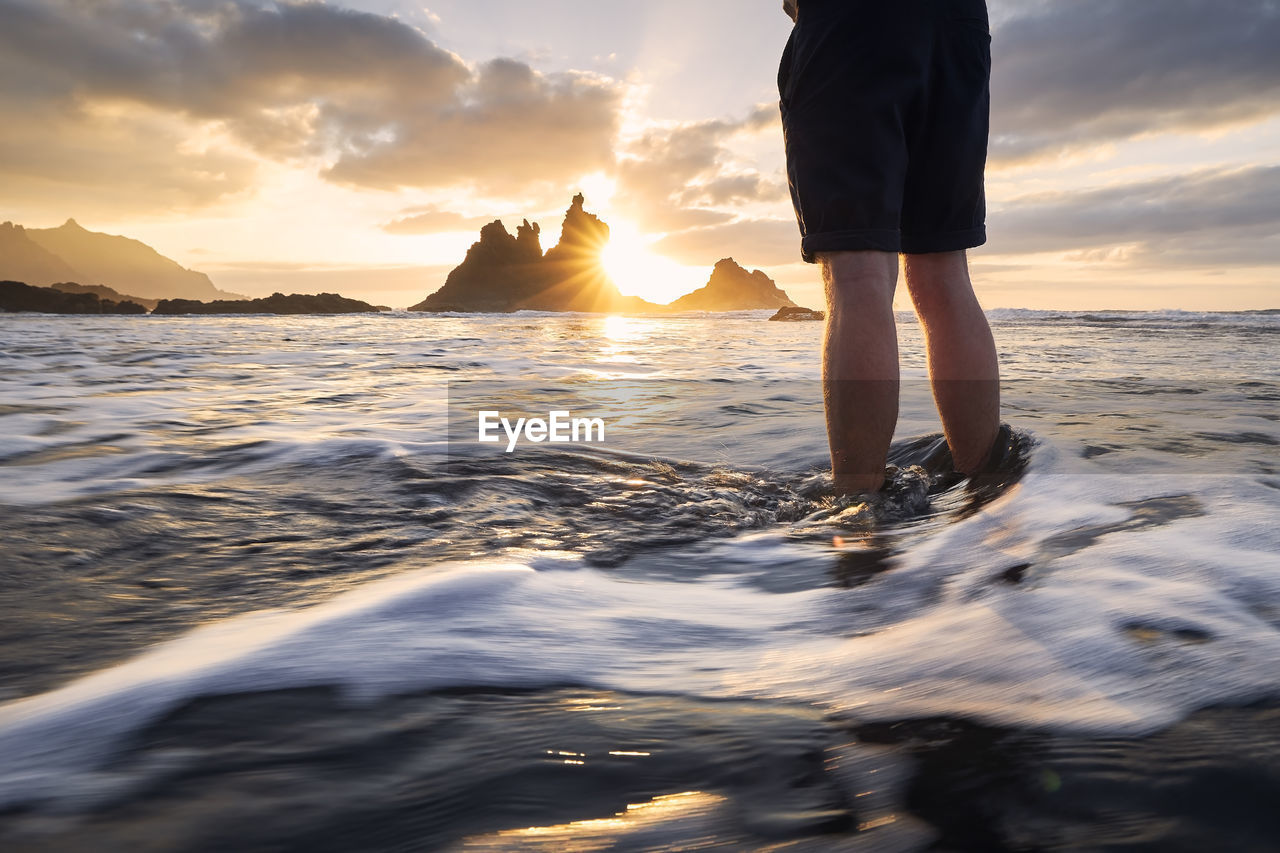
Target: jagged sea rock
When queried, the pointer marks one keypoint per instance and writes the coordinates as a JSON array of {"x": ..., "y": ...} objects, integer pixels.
[
  {"x": 795, "y": 313},
  {"x": 503, "y": 273},
  {"x": 732, "y": 288},
  {"x": 499, "y": 272},
  {"x": 528, "y": 241}
]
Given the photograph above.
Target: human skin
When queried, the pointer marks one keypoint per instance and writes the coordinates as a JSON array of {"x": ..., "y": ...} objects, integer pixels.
[
  {"x": 860, "y": 361},
  {"x": 860, "y": 365},
  {"x": 964, "y": 368}
]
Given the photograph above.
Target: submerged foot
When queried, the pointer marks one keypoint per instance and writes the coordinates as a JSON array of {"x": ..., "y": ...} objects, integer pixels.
[
  {"x": 923, "y": 471},
  {"x": 903, "y": 493},
  {"x": 1003, "y": 452},
  {"x": 1005, "y": 461}
]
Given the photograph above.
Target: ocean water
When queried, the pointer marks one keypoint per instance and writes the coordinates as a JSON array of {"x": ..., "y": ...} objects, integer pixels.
[{"x": 261, "y": 587}]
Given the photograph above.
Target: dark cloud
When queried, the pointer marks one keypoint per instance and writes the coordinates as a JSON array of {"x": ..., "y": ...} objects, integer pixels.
[
  {"x": 385, "y": 105},
  {"x": 1069, "y": 73},
  {"x": 1207, "y": 217}
]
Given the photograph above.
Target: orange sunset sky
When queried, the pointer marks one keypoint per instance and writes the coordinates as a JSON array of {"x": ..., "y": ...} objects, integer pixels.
[{"x": 358, "y": 146}]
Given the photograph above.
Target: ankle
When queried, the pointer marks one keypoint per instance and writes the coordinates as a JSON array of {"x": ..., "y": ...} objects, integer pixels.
[
  {"x": 857, "y": 484},
  {"x": 993, "y": 457}
]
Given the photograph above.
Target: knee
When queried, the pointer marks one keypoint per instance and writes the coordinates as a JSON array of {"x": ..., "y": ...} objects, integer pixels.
[
  {"x": 859, "y": 281},
  {"x": 938, "y": 282},
  {"x": 929, "y": 298}
]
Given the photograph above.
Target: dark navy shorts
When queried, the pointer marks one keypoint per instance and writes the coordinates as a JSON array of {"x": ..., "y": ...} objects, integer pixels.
[{"x": 885, "y": 110}]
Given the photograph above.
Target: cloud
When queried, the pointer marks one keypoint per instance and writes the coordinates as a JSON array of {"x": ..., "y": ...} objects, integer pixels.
[
  {"x": 1213, "y": 216},
  {"x": 752, "y": 242},
  {"x": 676, "y": 218},
  {"x": 99, "y": 164},
  {"x": 432, "y": 221},
  {"x": 730, "y": 189},
  {"x": 369, "y": 95},
  {"x": 1073, "y": 73},
  {"x": 670, "y": 169},
  {"x": 510, "y": 128}
]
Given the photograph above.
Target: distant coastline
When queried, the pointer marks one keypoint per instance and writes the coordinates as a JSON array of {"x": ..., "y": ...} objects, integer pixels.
[
  {"x": 276, "y": 303},
  {"x": 19, "y": 297},
  {"x": 70, "y": 298},
  {"x": 72, "y": 270}
]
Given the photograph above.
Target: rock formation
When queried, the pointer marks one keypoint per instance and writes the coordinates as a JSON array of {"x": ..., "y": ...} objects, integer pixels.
[
  {"x": 103, "y": 292},
  {"x": 17, "y": 296},
  {"x": 794, "y": 314},
  {"x": 732, "y": 288},
  {"x": 499, "y": 273},
  {"x": 276, "y": 303},
  {"x": 502, "y": 273},
  {"x": 120, "y": 263}
]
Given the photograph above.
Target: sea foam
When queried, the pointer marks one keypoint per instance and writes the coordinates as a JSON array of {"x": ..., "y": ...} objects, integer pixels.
[{"x": 1105, "y": 633}]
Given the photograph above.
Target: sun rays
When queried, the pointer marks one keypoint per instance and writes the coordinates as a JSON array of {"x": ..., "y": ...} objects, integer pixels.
[{"x": 639, "y": 271}]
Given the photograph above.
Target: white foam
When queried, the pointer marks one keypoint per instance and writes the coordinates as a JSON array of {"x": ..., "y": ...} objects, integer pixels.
[{"x": 938, "y": 635}]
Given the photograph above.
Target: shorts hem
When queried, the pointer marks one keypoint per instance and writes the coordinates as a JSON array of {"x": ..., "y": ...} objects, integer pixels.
[
  {"x": 950, "y": 241},
  {"x": 850, "y": 241}
]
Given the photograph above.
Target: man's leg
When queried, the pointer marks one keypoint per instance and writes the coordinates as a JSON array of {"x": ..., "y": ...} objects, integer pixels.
[
  {"x": 860, "y": 365},
  {"x": 963, "y": 368}
]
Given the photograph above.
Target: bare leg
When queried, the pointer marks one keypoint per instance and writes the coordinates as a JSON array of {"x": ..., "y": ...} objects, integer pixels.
[
  {"x": 963, "y": 367},
  {"x": 860, "y": 366}
]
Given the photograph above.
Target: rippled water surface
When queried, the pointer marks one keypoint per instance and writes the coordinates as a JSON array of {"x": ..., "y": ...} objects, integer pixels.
[{"x": 260, "y": 588}]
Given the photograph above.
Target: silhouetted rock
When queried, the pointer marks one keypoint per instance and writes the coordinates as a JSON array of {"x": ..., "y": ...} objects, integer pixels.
[
  {"x": 502, "y": 273},
  {"x": 17, "y": 296},
  {"x": 499, "y": 273},
  {"x": 796, "y": 313},
  {"x": 528, "y": 241},
  {"x": 23, "y": 259},
  {"x": 732, "y": 288},
  {"x": 122, "y": 264},
  {"x": 103, "y": 292},
  {"x": 276, "y": 303}
]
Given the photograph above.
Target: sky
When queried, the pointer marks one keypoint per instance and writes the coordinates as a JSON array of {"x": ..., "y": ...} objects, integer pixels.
[{"x": 359, "y": 145}]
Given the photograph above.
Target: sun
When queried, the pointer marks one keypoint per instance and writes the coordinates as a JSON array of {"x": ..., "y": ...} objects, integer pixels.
[{"x": 639, "y": 271}]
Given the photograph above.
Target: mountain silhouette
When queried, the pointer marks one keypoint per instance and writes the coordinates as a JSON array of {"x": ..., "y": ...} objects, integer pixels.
[
  {"x": 23, "y": 259},
  {"x": 70, "y": 253}
]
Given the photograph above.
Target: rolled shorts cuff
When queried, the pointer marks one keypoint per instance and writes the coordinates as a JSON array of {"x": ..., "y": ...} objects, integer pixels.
[
  {"x": 950, "y": 241},
  {"x": 850, "y": 241}
]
